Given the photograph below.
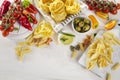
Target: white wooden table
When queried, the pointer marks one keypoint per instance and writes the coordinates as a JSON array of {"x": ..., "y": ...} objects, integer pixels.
[{"x": 51, "y": 63}]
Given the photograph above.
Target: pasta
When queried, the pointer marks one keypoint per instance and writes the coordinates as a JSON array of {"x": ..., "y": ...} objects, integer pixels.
[
  {"x": 101, "y": 50},
  {"x": 59, "y": 9},
  {"x": 108, "y": 76},
  {"x": 72, "y": 7},
  {"x": 116, "y": 66},
  {"x": 41, "y": 35},
  {"x": 39, "y": 38},
  {"x": 74, "y": 54},
  {"x": 21, "y": 49},
  {"x": 44, "y": 29},
  {"x": 44, "y": 4}
]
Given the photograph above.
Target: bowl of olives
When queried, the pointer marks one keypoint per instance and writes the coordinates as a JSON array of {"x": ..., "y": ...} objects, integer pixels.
[{"x": 81, "y": 24}]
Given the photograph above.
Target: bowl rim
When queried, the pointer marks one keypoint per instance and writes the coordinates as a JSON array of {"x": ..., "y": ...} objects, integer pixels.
[{"x": 73, "y": 24}]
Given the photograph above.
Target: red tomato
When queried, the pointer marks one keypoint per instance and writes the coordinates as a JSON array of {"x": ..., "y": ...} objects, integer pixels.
[
  {"x": 105, "y": 10},
  {"x": 10, "y": 7},
  {"x": 16, "y": 15},
  {"x": 94, "y": 3},
  {"x": 98, "y": 8},
  {"x": 4, "y": 20},
  {"x": 90, "y": 7},
  {"x": 19, "y": 8},
  {"x": 114, "y": 12},
  {"x": 118, "y": 6},
  {"x": 5, "y": 33},
  {"x": 87, "y": 2},
  {"x": 1, "y": 28},
  {"x": 12, "y": 21},
  {"x": 11, "y": 29},
  {"x": 17, "y": 1}
]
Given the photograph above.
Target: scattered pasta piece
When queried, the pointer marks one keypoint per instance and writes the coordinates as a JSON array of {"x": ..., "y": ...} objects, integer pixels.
[
  {"x": 81, "y": 46},
  {"x": 116, "y": 66},
  {"x": 22, "y": 49},
  {"x": 108, "y": 76},
  {"x": 74, "y": 54}
]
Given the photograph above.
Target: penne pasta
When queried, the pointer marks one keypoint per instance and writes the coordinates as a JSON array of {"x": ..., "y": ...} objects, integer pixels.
[
  {"x": 116, "y": 66},
  {"x": 101, "y": 50},
  {"x": 108, "y": 76}
]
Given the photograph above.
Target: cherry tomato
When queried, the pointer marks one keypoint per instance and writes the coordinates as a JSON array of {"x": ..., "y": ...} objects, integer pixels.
[
  {"x": 90, "y": 7},
  {"x": 98, "y": 8},
  {"x": 12, "y": 21},
  {"x": 11, "y": 28},
  {"x": 87, "y": 2},
  {"x": 17, "y": 1},
  {"x": 19, "y": 8},
  {"x": 94, "y": 3},
  {"x": 4, "y": 20},
  {"x": 105, "y": 10},
  {"x": 16, "y": 15},
  {"x": 10, "y": 7},
  {"x": 118, "y": 6},
  {"x": 1, "y": 28},
  {"x": 5, "y": 33},
  {"x": 114, "y": 12}
]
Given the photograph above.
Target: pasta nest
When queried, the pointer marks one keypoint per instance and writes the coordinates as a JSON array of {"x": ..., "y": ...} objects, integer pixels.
[
  {"x": 72, "y": 7},
  {"x": 57, "y": 9},
  {"x": 44, "y": 4}
]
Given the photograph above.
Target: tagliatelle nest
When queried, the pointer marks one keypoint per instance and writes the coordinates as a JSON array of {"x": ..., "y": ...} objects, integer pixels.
[
  {"x": 59, "y": 9},
  {"x": 44, "y": 4}
]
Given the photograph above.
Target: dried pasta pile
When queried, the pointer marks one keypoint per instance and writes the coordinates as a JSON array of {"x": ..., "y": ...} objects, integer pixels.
[
  {"x": 40, "y": 37},
  {"x": 59, "y": 9},
  {"x": 100, "y": 51}
]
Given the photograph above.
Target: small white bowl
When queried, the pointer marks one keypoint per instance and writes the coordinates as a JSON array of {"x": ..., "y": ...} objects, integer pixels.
[{"x": 73, "y": 27}]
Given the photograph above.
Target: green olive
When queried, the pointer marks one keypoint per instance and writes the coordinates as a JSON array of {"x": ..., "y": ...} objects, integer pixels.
[
  {"x": 76, "y": 20},
  {"x": 86, "y": 27},
  {"x": 81, "y": 24},
  {"x": 78, "y": 29},
  {"x": 87, "y": 21}
]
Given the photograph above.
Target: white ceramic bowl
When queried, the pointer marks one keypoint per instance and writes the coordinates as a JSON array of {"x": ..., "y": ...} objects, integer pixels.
[{"x": 73, "y": 27}]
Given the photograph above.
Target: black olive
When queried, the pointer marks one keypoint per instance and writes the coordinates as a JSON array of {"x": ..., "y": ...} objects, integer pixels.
[
  {"x": 72, "y": 48},
  {"x": 77, "y": 47},
  {"x": 118, "y": 24}
]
